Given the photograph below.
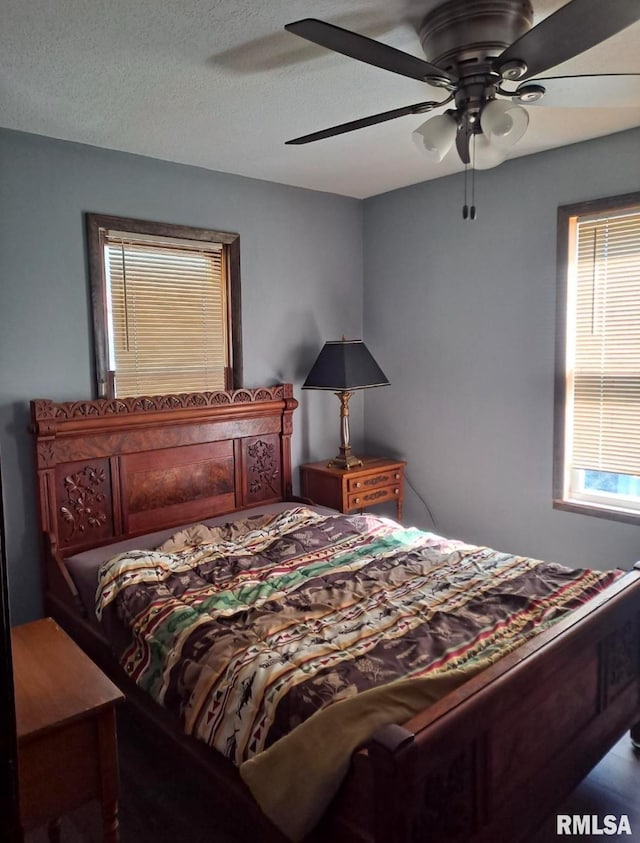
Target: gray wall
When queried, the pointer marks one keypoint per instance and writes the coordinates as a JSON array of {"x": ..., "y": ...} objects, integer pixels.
[
  {"x": 462, "y": 316},
  {"x": 301, "y": 264}
]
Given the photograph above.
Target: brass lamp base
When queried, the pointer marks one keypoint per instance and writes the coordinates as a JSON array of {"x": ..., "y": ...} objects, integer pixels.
[
  {"x": 345, "y": 459},
  {"x": 344, "y": 462}
]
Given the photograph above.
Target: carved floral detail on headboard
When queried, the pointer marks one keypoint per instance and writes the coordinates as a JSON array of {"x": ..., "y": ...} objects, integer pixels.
[
  {"x": 83, "y": 508},
  {"x": 263, "y": 468},
  {"x": 46, "y": 454},
  {"x": 46, "y": 410}
]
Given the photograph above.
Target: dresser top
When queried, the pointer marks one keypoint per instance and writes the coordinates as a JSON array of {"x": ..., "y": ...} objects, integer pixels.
[{"x": 55, "y": 682}]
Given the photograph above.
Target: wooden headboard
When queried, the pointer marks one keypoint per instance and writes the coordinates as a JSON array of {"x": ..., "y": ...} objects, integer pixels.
[{"x": 111, "y": 469}]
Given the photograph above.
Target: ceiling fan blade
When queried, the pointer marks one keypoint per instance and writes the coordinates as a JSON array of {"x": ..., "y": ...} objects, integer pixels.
[
  {"x": 418, "y": 108},
  {"x": 574, "y": 28},
  {"x": 367, "y": 50},
  {"x": 613, "y": 90}
]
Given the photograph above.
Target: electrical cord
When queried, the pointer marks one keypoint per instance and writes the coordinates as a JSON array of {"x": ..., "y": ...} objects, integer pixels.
[{"x": 424, "y": 503}]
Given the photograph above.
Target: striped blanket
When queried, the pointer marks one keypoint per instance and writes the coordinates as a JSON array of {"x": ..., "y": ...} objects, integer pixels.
[{"x": 246, "y": 631}]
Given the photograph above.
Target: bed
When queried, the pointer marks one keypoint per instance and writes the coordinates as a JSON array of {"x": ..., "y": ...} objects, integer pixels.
[{"x": 112, "y": 471}]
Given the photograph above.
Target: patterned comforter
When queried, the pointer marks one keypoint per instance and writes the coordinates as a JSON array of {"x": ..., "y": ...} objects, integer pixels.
[{"x": 246, "y": 631}]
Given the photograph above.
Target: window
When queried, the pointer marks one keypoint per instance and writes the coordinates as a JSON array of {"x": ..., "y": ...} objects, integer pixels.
[
  {"x": 597, "y": 440},
  {"x": 166, "y": 307}
]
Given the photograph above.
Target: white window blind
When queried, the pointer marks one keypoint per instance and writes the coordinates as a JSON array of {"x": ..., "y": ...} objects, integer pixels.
[
  {"x": 167, "y": 305},
  {"x": 604, "y": 358}
]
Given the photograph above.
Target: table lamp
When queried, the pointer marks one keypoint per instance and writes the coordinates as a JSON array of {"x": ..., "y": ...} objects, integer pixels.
[{"x": 344, "y": 366}]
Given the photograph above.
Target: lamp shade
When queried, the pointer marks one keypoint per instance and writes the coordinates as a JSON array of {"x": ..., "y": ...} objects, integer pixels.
[
  {"x": 486, "y": 154},
  {"x": 345, "y": 365},
  {"x": 436, "y": 136},
  {"x": 504, "y": 123}
]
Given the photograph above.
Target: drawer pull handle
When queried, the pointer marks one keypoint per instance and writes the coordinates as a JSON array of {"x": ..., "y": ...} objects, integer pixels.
[
  {"x": 357, "y": 500},
  {"x": 397, "y": 476},
  {"x": 357, "y": 485},
  {"x": 396, "y": 491}
]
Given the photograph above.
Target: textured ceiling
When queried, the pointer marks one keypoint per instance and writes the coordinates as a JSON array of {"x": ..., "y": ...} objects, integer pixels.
[{"x": 220, "y": 84}]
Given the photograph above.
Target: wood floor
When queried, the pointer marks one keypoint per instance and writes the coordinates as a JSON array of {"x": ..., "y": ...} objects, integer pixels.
[
  {"x": 613, "y": 787},
  {"x": 159, "y": 804}
]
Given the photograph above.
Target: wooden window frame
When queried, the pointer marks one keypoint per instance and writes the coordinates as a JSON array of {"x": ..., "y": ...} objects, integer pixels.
[
  {"x": 565, "y": 214},
  {"x": 97, "y": 225}
]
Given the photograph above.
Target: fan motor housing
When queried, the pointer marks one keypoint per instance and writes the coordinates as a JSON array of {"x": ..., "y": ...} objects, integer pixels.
[{"x": 462, "y": 35}]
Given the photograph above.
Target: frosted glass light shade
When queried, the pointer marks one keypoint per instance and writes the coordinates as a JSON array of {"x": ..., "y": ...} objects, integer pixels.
[
  {"x": 503, "y": 122},
  {"x": 436, "y": 136},
  {"x": 485, "y": 154}
]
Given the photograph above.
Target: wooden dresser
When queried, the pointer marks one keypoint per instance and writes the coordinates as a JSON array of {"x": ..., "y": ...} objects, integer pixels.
[
  {"x": 65, "y": 718},
  {"x": 377, "y": 480}
]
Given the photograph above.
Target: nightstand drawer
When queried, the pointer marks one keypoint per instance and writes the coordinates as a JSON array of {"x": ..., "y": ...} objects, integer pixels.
[
  {"x": 369, "y": 496},
  {"x": 367, "y": 482}
]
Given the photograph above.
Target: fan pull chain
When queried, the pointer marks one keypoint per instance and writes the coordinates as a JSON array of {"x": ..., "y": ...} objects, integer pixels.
[
  {"x": 469, "y": 211},
  {"x": 465, "y": 207},
  {"x": 472, "y": 209}
]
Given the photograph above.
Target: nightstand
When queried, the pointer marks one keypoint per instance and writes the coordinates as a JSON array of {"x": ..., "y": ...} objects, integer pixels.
[
  {"x": 377, "y": 480},
  {"x": 65, "y": 719}
]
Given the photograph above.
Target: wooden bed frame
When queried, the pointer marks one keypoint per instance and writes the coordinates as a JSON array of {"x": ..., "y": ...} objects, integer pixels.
[{"x": 488, "y": 762}]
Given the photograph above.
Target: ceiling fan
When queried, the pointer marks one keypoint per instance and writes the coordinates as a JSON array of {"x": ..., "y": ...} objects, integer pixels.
[{"x": 484, "y": 55}]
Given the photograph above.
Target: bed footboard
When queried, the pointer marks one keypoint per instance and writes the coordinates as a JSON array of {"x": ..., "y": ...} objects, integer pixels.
[{"x": 533, "y": 725}]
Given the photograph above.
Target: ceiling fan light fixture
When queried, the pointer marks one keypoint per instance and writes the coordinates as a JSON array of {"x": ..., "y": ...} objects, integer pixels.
[
  {"x": 436, "y": 136},
  {"x": 473, "y": 47},
  {"x": 503, "y": 123}
]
